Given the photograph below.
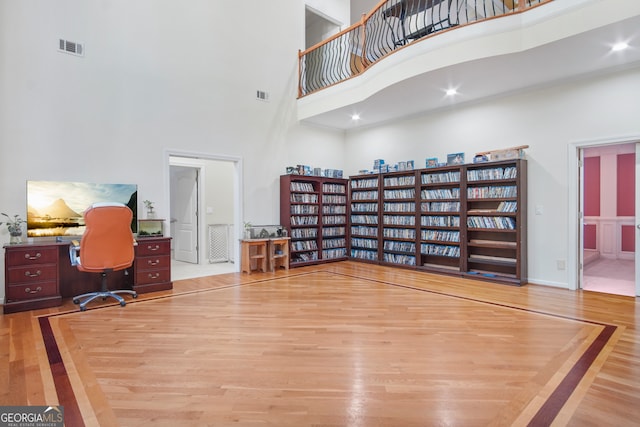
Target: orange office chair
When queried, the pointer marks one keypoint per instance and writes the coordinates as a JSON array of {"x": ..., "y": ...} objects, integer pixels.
[{"x": 107, "y": 245}]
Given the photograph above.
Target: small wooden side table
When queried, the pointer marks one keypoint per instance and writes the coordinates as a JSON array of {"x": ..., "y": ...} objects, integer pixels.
[
  {"x": 279, "y": 253},
  {"x": 254, "y": 255}
]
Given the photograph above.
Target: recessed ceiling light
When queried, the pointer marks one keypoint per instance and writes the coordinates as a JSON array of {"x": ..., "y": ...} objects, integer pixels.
[
  {"x": 355, "y": 117},
  {"x": 451, "y": 92},
  {"x": 619, "y": 46}
]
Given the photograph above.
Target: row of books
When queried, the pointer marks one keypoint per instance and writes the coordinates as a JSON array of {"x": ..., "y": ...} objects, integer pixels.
[
  {"x": 396, "y": 181},
  {"x": 392, "y": 245},
  {"x": 304, "y": 209},
  {"x": 400, "y": 207},
  {"x": 304, "y": 220},
  {"x": 364, "y": 254},
  {"x": 304, "y": 245},
  {"x": 334, "y": 209},
  {"x": 333, "y": 231},
  {"x": 440, "y": 221},
  {"x": 510, "y": 172},
  {"x": 399, "y": 233},
  {"x": 443, "y": 177},
  {"x": 302, "y": 186},
  {"x": 440, "y": 207},
  {"x": 364, "y": 243},
  {"x": 364, "y": 207},
  {"x": 304, "y": 198},
  {"x": 508, "y": 207},
  {"x": 334, "y": 219},
  {"x": 440, "y": 193},
  {"x": 495, "y": 222},
  {"x": 334, "y": 198},
  {"x": 399, "y": 258},
  {"x": 364, "y": 219},
  {"x": 440, "y": 250},
  {"x": 440, "y": 235},
  {"x": 407, "y": 193},
  {"x": 304, "y": 256},
  {"x": 333, "y": 243},
  {"x": 334, "y": 188},
  {"x": 334, "y": 253},
  {"x": 359, "y": 230},
  {"x": 492, "y": 192},
  {"x": 364, "y": 183},
  {"x": 364, "y": 195},
  {"x": 399, "y": 220},
  {"x": 304, "y": 233}
]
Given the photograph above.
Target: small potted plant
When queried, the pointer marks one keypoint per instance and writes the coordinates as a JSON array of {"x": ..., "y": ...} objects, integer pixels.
[
  {"x": 14, "y": 225},
  {"x": 247, "y": 230},
  {"x": 151, "y": 214}
]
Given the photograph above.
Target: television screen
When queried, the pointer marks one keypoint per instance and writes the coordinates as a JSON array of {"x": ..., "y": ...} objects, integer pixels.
[{"x": 56, "y": 208}]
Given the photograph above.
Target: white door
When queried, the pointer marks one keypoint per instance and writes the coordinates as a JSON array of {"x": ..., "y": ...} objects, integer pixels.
[
  {"x": 184, "y": 213},
  {"x": 637, "y": 248}
]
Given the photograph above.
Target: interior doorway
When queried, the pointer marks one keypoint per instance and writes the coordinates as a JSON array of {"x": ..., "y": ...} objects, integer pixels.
[
  {"x": 204, "y": 194},
  {"x": 608, "y": 204}
]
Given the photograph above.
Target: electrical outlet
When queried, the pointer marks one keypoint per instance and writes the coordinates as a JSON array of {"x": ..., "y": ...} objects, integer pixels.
[{"x": 561, "y": 264}]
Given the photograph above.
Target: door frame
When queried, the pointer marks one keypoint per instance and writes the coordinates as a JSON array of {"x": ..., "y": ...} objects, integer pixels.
[
  {"x": 194, "y": 159},
  {"x": 574, "y": 221}
]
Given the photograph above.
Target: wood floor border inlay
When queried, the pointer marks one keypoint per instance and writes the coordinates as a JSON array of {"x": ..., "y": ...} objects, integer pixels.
[{"x": 544, "y": 416}]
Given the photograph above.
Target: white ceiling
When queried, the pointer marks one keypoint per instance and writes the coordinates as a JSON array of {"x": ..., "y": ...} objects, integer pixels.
[{"x": 574, "y": 57}]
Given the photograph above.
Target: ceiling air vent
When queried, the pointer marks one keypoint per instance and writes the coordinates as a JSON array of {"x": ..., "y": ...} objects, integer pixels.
[
  {"x": 70, "y": 47},
  {"x": 262, "y": 95}
]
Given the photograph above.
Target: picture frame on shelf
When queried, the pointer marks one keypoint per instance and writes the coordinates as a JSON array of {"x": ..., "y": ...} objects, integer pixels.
[
  {"x": 431, "y": 162},
  {"x": 455, "y": 159}
]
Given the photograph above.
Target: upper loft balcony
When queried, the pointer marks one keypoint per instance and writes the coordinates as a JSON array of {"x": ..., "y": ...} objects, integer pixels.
[{"x": 404, "y": 55}]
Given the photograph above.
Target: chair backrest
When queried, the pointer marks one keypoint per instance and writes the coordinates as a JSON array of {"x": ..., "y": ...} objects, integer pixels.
[{"x": 107, "y": 243}]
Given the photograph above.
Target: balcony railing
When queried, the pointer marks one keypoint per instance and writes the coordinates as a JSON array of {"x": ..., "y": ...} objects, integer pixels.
[{"x": 392, "y": 25}]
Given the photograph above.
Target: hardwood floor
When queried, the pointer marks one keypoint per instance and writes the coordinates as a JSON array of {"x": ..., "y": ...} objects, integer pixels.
[{"x": 342, "y": 344}]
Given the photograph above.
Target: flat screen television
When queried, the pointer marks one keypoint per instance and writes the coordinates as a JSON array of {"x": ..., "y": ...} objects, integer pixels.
[{"x": 56, "y": 208}]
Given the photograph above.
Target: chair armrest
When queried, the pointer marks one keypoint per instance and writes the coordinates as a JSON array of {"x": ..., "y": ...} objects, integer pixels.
[{"x": 74, "y": 253}]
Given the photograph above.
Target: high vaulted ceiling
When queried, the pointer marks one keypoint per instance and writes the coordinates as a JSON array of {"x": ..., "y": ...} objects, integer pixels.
[{"x": 572, "y": 54}]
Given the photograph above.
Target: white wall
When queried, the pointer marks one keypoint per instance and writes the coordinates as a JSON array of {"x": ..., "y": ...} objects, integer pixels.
[
  {"x": 157, "y": 75},
  {"x": 547, "y": 120},
  {"x": 335, "y": 10}
]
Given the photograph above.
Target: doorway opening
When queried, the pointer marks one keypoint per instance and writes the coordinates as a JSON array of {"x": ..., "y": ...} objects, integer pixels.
[
  {"x": 204, "y": 194},
  {"x": 603, "y": 209},
  {"x": 608, "y": 227}
]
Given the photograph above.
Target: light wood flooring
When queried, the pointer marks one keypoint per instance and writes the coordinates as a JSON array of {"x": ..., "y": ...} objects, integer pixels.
[{"x": 342, "y": 344}]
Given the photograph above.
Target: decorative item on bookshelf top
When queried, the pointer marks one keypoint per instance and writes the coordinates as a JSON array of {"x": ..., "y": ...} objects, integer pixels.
[
  {"x": 308, "y": 171},
  {"x": 455, "y": 159},
  {"x": 510, "y": 153}
]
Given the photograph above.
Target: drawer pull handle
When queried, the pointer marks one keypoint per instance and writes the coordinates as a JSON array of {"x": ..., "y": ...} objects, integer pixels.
[
  {"x": 153, "y": 263},
  {"x": 32, "y": 257},
  {"x": 154, "y": 275},
  {"x": 33, "y": 291},
  {"x": 30, "y": 274},
  {"x": 153, "y": 248}
]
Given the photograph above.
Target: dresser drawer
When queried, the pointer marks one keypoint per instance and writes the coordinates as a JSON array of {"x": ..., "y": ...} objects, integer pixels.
[
  {"x": 144, "y": 277},
  {"x": 32, "y": 274},
  {"x": 32, "y": 256},
  {"x": 153, "y": 262},
  {"x": 153, "y": 247},
  {"x": 31, "y": 291}
]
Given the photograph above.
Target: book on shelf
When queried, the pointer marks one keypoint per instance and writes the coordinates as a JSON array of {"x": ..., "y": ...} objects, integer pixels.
[{"x": 491, "y": 258}]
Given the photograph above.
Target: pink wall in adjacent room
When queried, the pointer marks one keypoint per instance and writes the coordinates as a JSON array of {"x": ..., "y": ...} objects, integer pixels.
[
  {"x": 592, "y": 186},
  {"x": 591, "y": 198},
  {"x": 626, "y": 190}
]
